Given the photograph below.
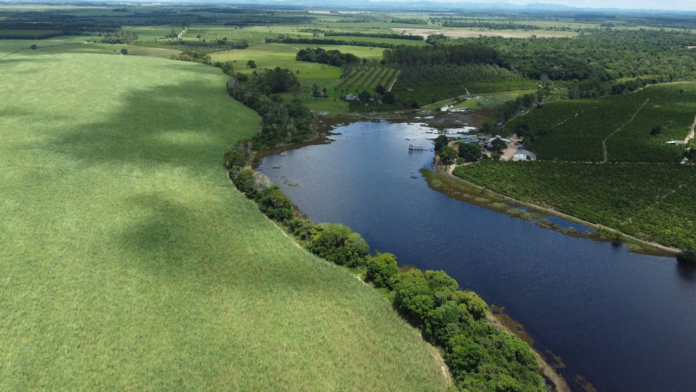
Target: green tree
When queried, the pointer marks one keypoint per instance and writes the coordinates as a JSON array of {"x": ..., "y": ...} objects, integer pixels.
[
  {"x": 245, "y": 183},
  {"x": 466, "y": 358},
  {"x": 448, "y": 154},
  {"x": 251, "y": 64},
  {"x": 498, "y": 145},
  {"x": 124, "y": 51},
  {"x": 364, "y": 96},
  {"x": 338, "y": 244},
  {"x": 440, "y": 142},
  {"x": 471, "y": 152},
  {"x": 33, "y": 47},
  {"x": 388, "y": 98},
  {"x": 655, "y": 130},
  {"x": 382, "y": 269},
  {"x": 380, "y": 89},
  {"x": 275, "y": 204},
  {"x": 413, "y": 296}
]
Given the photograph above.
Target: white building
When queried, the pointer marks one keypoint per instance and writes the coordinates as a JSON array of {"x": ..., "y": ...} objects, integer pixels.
[{"x": 524, "y": 155}]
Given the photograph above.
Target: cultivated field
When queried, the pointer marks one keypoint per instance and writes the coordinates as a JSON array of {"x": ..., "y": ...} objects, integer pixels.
[
  {"x": 614, "y": 128},
  {"x": 128, "y": 261}
]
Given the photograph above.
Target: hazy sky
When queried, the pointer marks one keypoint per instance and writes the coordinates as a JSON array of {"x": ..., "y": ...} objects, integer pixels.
[{"x": 689, "y": 5}]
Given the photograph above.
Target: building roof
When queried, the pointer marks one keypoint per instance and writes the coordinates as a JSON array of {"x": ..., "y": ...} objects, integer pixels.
[{"x": 525, "y": 152}]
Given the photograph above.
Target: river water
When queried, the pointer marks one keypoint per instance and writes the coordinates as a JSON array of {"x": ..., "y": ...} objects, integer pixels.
[{"x": 624, "y": 321}]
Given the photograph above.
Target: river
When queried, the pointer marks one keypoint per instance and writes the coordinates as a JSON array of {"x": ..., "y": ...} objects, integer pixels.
[{"x": 624, "y": 321}]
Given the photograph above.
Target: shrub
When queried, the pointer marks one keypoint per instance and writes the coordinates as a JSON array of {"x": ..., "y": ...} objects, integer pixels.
[
  {"x": 273, "y": 202},
  {"x": 245, "y": 183},
  {"x": 234, "y": 158},
  {"x": 687, "y": 256},
  {"x": 382, "y": 269}
]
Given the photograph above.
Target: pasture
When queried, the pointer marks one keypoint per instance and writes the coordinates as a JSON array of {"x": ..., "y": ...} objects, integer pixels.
[
  {"x": 615, "y": 128},
  {"x": 129, "y": 262}
]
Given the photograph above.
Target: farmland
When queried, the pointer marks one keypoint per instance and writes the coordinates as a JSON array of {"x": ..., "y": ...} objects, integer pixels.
[
  {"x": 651, "y": 202},
  {"x": 358, "y": 79},
  {"x": 128, "y": 262},
  {"x": 579, "y": 130}
]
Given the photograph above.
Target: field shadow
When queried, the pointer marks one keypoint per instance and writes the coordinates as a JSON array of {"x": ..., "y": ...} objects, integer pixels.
[{"x": 165, "y": 125}]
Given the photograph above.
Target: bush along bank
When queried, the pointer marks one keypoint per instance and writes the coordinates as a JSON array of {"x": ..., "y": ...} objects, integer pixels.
[{"x": 480, "y": 356}]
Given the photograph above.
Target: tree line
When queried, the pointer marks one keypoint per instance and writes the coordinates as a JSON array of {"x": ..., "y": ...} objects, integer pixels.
[
  {"x": 479, "y": 355},
  {"x": 373, "y": 35},
  {"x": 319, "y": 41},
  {"x": 330, "y": 57}
]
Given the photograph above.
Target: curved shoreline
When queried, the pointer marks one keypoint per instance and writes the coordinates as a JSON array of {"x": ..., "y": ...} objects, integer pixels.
[{"x": 646, "y": 247}]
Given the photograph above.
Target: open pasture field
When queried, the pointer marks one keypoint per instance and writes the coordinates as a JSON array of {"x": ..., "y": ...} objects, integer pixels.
[
  {"x": 614, "y": 128},
  {"x": 128, "y": 261},
  {"x": 209, "y": 33}
]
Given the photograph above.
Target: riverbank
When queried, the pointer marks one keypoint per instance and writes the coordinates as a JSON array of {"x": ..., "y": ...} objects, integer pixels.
[{"x": 442, "y": 180}]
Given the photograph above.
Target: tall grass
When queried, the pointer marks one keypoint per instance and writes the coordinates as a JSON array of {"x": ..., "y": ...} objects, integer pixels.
[{"x": 127, "y": 260}]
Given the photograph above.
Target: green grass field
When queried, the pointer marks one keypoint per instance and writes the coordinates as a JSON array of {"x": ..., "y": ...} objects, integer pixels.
[{"x": 129, "y": 262}]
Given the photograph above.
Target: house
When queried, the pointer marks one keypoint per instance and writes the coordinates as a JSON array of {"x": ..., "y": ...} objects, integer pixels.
[
  {"x": 677, "y": 142},
  {"x": 351, "y": 97},
  {"x": 524, "y": 155}
]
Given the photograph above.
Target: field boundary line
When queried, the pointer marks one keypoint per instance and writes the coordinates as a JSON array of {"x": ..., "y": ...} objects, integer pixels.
[
  {"x": 691, "y": 134},
  {"x": 604, "y": 142}
]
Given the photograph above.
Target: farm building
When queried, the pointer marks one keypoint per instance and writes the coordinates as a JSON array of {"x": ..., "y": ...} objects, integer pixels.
[
  {"x": 351, "y": 97},
  {"x": 524, "y": 155},
  {"x": 677, "y": 142}
]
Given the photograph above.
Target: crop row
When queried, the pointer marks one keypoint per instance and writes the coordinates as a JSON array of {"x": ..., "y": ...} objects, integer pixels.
[{"x": 634, "y": 127}]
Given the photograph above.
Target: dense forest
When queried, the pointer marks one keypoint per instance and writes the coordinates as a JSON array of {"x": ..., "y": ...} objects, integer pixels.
[
  {"x": 463, "y": 53},
  {"x": 604, "y": 55}
]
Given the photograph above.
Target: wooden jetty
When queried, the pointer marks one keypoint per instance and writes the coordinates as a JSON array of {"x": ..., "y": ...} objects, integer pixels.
[{"x": 411, "y": 148}]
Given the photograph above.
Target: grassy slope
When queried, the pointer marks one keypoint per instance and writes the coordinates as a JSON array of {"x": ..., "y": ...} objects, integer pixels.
[{"x": 128, "y": 262}]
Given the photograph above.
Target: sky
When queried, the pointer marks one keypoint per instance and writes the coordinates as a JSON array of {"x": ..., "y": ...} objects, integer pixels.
[{"x": 686, "y": 5}]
